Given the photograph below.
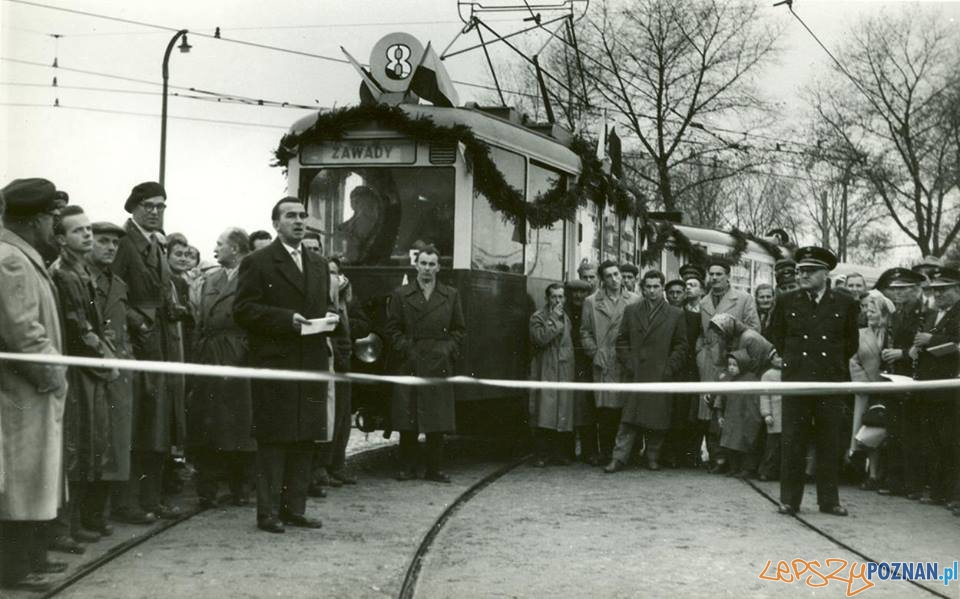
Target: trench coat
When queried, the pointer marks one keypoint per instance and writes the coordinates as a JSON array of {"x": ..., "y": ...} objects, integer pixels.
[
  {"x": 931, "y": 367},
  {"x": 425, "y": 337},
  {"x": 550, "y": 338},
  {"x": 220, "y": 410},
  {"x": 86, "y": 420},
  {"x": 158, "y": 399},
  {"x": 111, "y": 298},
  {"x": 652, "y": 348},
  {"x": 599, "y": 328},
  {"x": 736, "y": 303},
  {"x": 31, "y": 417},
  {"x": 270, "y": 290}
]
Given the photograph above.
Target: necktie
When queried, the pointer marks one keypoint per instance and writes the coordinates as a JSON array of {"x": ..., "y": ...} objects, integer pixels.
[
  {"x": 813, "y": 298},
  {"x": 297, "y": 259}
]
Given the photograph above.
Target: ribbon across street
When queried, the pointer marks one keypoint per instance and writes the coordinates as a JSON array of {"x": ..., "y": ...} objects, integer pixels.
[{"x": 897, "y": 384}]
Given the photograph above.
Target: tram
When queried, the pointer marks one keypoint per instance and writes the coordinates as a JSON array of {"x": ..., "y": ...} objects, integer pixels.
[{"x": 376, "y": 195}]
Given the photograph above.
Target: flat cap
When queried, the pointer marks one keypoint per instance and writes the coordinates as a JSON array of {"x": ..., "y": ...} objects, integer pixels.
[
  {"x": 673, "y": 282},
  {"x": 27, "y": 197},
  {"x": 578, "y": 284},
  {"x": 720, "y": 261},
  {"x": 817, "y": 257},
  {"x": 143, "y": 191},
  {"x": 104, "y": 227},
  {"x": 692, "y": 271},
  {"x": 631, "y": 268},
  {"x": 944, "y": 277},
  {"x": 899, "y": 277},
  {"x": 783, "y": 263}
]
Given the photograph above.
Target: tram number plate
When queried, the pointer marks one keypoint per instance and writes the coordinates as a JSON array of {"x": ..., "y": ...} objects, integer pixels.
[{"x": 360, "y": 152}]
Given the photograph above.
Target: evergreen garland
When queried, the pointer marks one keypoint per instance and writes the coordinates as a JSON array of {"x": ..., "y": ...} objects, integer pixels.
[
  {"x": 659, "y": 233},
  {"x": 550, "y": 206}
]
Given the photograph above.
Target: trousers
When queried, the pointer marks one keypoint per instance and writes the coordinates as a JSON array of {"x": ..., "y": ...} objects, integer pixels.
[{"x": 803, "y": 418}]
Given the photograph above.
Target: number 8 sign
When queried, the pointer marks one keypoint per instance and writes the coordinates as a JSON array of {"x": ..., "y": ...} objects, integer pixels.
[{"x": 394, "y": 59}]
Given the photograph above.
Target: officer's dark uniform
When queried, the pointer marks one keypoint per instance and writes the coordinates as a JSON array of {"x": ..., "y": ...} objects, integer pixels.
[{"x": 816, "y": 341}]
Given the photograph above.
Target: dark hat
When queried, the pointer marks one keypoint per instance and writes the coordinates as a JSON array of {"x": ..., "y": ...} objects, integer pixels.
[
  {"x": 104, "y": 227},
  {"x": 944, "y": 277},
  {"x": 27, "y": 197},
  {"x": 673, "y": 282},
  {"x": 814, "y": 256},
  {"x": 784, "y": 263},
  {"x": 627, "y": 267},
  {"x": 692, "y": 271},
  {"x": 578, "y": 284},
  {"x": 899, "y": 277},
  {"x": 142, "y": 192},
  {"x": 721, "y": 261},
  {"x": 63, "y": 198}
]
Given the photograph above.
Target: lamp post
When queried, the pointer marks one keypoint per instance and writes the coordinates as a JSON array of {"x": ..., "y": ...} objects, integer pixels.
[{"x": 184, "y": 48}]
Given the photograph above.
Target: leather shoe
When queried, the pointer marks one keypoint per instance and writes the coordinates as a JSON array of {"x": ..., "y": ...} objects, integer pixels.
[
  {"x": 315, "y": 490},
  {"x": 437, "y": 477},
  {"x": 915, "y": 496},
  {"x": 343, "y": 477},
  {"x": 301, "y": 521},
  {"x": 653, "y": 465},
  {"x": 167, "y": 512},
  {"x": 322, "y": 479},
  {"x": 786, "y": 509},
  {"x": 271, "y": 525},
  {"x": 85, "y": 536},
  {"x": 613, "y": 466},
  {"x": 101, "y": 528},
  {"x": 32, "y": 582},
  {"x": 406, "y": 475},
  {"x": 930, "y": 500},
  {"x": 834, "y": 510},
  {"x": 133, "y": 517},
  {"x": 65, "y": 544},
  {"x": 51, "y": 567}
]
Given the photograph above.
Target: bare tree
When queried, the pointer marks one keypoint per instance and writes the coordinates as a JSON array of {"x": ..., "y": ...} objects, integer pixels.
[
  {"x": 888, "y": 109},
  {"x": 762, "y": 201}
]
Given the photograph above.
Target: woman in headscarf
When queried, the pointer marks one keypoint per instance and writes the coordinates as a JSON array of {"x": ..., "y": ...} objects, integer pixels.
[{"x": 865, "y": 366}]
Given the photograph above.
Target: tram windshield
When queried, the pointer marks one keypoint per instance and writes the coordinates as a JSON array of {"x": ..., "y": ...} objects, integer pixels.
[{"x": 378, "y": 216}]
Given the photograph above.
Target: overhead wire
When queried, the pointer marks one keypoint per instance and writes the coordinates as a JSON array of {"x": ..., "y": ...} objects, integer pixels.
[{"x": 142, "y": 114}]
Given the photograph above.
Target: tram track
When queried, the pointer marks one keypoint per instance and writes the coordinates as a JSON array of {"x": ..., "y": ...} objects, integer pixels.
[
  {"x": 117, "y": 551},
  {"x": 839, "y": 543},
  {"x": 409, "y": 586}
]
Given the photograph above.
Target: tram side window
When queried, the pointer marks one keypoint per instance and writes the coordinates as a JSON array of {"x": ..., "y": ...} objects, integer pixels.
[
  {"x": 762, "y": 273},
  {"x": 740, "y": 275},
  {"x": 611, "y": 231},
  {"x": 589, "y": 223},
  {"x": 628, "y": 240},
  {"x": 377, "y": 216},
  {"x": 497, "y": 243},
  {"x": 544, "y": 255}
]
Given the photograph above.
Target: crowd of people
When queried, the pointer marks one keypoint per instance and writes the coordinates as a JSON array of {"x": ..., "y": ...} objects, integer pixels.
[
  {"x": 615, "y": 324},
  {"x": 84, "y": 445}
]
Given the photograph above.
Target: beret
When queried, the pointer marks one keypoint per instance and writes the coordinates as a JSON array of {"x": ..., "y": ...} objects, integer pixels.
[
  {"x": 578, "y": 284},
  {"x": 27, "y": 197},
  {"x": 945, "y": 277},
  {"x": 692, "y": 271},
  {"x": 104, "y": 227},
  {"x": 627, "y": 267},
  {"x": 814, "y": 256},
  {"x": 899, "y": 277},
  {"x": 143, "y": 191}
]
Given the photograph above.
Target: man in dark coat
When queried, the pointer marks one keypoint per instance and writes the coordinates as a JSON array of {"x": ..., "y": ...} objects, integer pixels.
[
  {"x": 152, "y": 322},
  {"x": 110, "y": 293},
  {"x": 651, "y": 348},
  {"x": 584, "y": 413},
  {"x": 219, "y": 410},
  {"x": 933, "y": 413},
  {"x": 86, "y": 421},
  {"x": 815, "y": 332},
  {"x": 281, "y": 288},
  {"x": 426, "y": 330}
]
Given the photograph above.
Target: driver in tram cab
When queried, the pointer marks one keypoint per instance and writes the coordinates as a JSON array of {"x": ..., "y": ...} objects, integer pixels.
[
  {"x": 426, "y": 330},
  {"x": 360, "y": 231}
]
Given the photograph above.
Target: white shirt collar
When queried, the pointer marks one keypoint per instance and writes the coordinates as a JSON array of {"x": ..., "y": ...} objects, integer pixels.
[{"x": 150, "y": 234}]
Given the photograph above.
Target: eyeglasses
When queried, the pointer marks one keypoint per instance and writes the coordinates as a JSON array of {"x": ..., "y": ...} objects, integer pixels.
[{"x": 158, "y": 208}]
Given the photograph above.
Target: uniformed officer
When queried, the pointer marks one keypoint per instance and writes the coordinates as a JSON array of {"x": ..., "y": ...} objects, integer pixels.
[
  {"x": 785, "y": 273},
  {"x": 815, "y": 331}
]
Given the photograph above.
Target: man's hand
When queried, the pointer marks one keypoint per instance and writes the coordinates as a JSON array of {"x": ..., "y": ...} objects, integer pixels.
[
  {"x": 914, "y": 352},
  {"x": 299, "y": 321},
  {"x": 891, "y": 355},
  {"x": 922, "y": 339},
  {"x": 768, "y": 419}
]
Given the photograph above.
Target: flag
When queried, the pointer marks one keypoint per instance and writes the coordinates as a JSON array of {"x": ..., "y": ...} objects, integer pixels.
[
  {"x": 375, "y": 90},
  {"x": 431, "y": 81},
  {"x": 616, "y": 154},
  {"x": 602, "y": 138}
]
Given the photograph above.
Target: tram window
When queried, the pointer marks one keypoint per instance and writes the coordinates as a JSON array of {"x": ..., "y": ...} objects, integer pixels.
[
  {"x": 544, "y": 254},
  {"x": 628, "y": 240},
  {"x": 375, "y": 216},
  {"x": 762, "y": 273},
  {"x": 498, "y": 244},
  {"x": 589, "y": 229},
  {"x": 611, "y": 231},
  {"x": 740, "y": 275}
]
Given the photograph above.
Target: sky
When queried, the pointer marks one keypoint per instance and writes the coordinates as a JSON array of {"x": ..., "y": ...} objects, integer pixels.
[{"x": 98, "y": 144}]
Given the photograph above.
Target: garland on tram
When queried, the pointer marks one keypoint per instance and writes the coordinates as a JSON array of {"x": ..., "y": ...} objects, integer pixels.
[
  {"x": 659, "y": 233},
  {"x": 555, "y": 204}
]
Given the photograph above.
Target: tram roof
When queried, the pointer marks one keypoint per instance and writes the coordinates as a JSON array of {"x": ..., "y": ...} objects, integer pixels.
[{"x": 491, "y": 128}]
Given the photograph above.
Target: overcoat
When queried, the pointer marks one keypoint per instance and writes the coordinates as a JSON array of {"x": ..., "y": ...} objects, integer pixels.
[
  {"x": 220, "y": 410},
  {"x": 31, "y": 417},
  {"x": 270, "y": 290},
  {"x": 111, "y": 298},
  {"x": 552, "y": 360},
  {"x": 426, "y": 337},
  {"x": 930, "y": 366},
  {"x": 599, "y": 328},
  {"x": 158, "y": 399},
  {"x": 652, "y": 348},
  {"x": 734, "y": 302},
  {"x": 86, "y": 421}
]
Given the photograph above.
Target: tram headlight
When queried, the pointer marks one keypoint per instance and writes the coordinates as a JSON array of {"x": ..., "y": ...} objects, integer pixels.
[{"x": 368, "y": 349}]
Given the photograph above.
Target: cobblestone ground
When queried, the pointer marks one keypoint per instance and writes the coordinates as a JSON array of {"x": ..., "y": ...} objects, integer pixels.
[{"x": 557, "y": 532}]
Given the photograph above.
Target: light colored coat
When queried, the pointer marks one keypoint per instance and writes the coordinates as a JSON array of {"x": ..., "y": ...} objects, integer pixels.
[
  {"x": 31, "y": 419},
  {"x": 736, "y": 303},
  {"x": 772, "y": 405},
  {"x": 599, "y": 328},
  {"x": 865, "y": 367},
  {"x": 552, "y": 361}
]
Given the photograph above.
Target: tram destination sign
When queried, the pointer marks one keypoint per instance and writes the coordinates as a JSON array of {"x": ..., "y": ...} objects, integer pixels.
[{"x": 360, "y": 152}]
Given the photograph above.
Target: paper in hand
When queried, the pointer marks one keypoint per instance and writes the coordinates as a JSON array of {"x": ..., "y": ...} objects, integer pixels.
[
  {"x": 320, "y": 325},
  {"x": 944, "y": 349}
]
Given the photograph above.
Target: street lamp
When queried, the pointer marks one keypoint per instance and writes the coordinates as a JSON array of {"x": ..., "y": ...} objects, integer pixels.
[{"x": 184, "y": 48}]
